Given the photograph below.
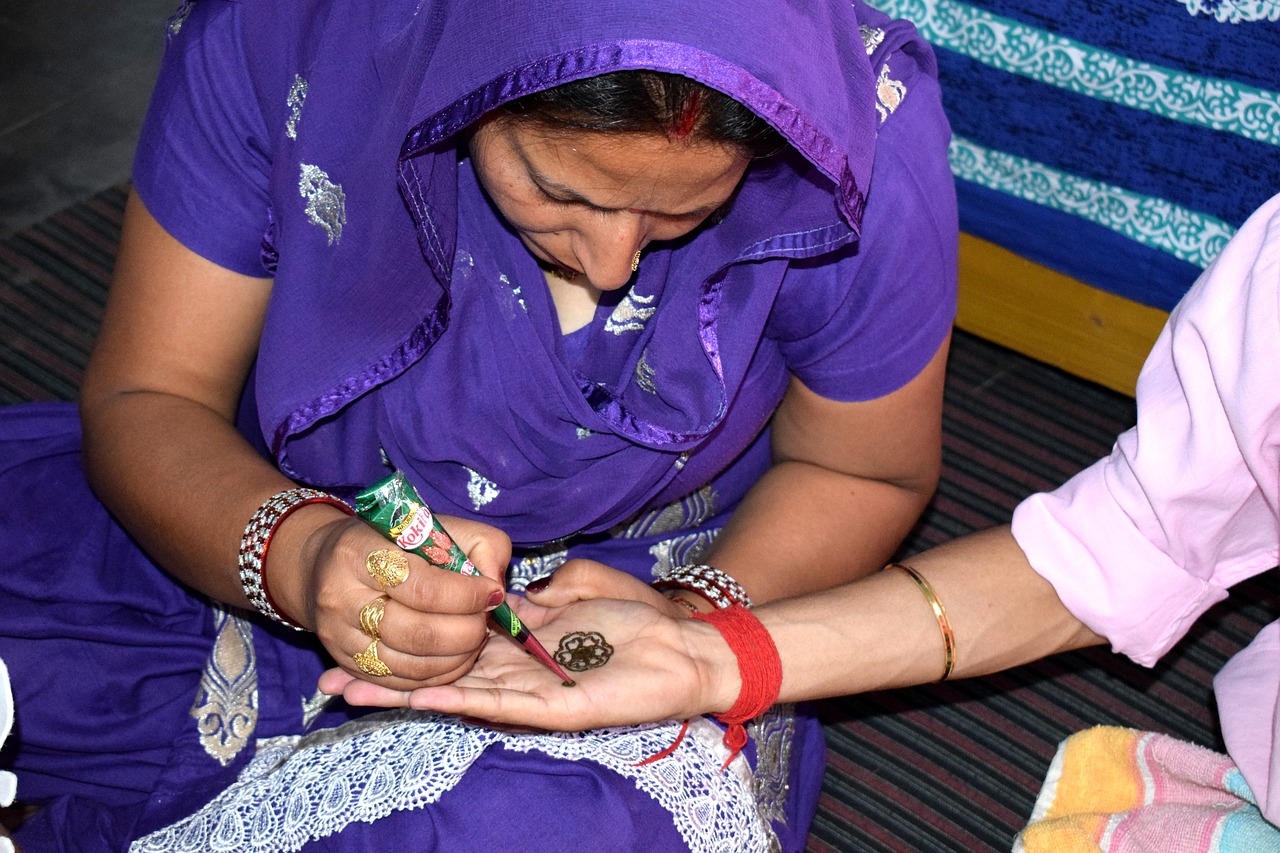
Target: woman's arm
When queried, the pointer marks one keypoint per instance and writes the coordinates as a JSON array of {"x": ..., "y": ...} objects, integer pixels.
[
  {"x": 158, "y": 402},
  {"x": 880, "y": 632},
  {"x": 848, "y": 482},
  {"x": 874, "y": 633},
  {"x": 161, "y": 450}
]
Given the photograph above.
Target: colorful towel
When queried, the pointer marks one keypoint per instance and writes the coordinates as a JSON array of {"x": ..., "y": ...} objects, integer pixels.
[{"x": 1123, "y": 791}]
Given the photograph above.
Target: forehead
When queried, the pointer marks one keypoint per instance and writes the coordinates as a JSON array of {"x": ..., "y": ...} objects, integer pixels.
[{"x": 623, "y": 169}]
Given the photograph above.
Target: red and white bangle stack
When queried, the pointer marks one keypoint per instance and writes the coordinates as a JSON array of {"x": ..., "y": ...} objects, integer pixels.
[
  {"x": 257, "y": 536},
  {"x": 712, "y": 584}
]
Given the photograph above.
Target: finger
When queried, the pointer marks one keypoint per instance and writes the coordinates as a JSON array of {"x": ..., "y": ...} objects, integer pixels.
[
  {"x": 333, "y": 681},
  {"x": 430, "y": 589},
  {"x": 373, "y": 662},
  {"x": 412, "y": 580},
  {"x": 491, "y": 704},
  {"x": 364, "y": 693},
  {"x": 428, "y": 635},
  {"x": 406, "y": 649},
  {"x": 580, "y": 580},
  {"x": 339, "y": 682},
  {"x": 488, "y": 548},
  {"x": 533, "y": 616}
]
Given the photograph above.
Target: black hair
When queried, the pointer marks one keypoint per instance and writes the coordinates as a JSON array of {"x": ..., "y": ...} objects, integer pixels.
[{"x": 644, "y": 101}]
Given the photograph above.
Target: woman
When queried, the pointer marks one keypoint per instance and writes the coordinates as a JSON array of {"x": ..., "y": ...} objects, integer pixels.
[
  {"x": 411, "y": 238},
  {"x": 1130, "y": 551}
]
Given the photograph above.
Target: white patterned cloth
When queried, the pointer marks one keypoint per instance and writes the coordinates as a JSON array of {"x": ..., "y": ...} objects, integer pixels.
[{"x": 297, "y": 789}]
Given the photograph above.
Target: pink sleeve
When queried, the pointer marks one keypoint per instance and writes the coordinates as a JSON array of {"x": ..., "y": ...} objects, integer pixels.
[{"x": 1142, "y": 542}]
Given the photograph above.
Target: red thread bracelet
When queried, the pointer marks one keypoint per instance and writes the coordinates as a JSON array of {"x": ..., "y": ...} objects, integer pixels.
[{"x": 758, "y": 664}]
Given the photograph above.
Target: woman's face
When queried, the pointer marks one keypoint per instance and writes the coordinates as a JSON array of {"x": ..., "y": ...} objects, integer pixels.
[{"x": 587, "y": 201}]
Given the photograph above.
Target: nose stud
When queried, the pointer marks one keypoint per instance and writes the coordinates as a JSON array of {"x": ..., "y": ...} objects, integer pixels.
[{"x": 635, "y": 261}]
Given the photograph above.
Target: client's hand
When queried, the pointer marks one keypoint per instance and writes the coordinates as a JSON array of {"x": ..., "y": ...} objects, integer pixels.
[{"x": 658, "y": 665}]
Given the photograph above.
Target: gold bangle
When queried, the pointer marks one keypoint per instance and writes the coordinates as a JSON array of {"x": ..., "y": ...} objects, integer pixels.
[{"x": 939, "y": 613}]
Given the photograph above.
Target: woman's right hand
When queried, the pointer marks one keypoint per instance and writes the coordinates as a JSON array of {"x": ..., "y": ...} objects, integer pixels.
[{"x": 433, "y": 623}]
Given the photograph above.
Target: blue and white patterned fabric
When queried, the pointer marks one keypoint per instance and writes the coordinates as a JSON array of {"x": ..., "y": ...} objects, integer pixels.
[{"x": 1122, "y": 142}]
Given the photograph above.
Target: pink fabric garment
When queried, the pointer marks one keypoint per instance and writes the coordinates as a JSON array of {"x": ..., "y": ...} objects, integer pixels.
[{"x": 1142, "y": 542}]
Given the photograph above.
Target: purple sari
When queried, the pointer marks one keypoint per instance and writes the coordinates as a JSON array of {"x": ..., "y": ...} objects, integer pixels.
[{"x": 318, "y": 143}]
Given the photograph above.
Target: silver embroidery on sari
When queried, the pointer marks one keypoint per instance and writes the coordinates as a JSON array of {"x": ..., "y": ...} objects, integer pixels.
[
  {"x": 645, "y": 374},
  {"x": 178, "y": 18},
  {"x": 297, "y": 95},
  {"x": 326, "y": 202},
  {"x": 889, "y": 93},
  {"x": 773, "y": 733},
  {"x": 226, "y": 706},
  {"x": 692, "y": 510},
  {"x": 681, "y": 550},
  {"x": 629, "y": 316},
  {"x": 535, "y": 563},
  {"x": 872, "y": 38},
  {"x": 515, "y": 291},
  {"x": 312, "y": 707},
  {"x": 480, "y": 489}
]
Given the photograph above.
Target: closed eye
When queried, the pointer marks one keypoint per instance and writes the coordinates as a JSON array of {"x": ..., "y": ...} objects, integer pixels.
[{"x": 576, "y": 202}]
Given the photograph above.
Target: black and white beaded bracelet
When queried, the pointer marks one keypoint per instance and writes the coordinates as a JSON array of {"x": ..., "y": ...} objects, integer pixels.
[
  {"x": 257, "y": 536},
  {"x": 711, "y": 583}
]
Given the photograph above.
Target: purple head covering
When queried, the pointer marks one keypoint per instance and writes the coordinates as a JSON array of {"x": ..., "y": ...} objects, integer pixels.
[{"x": 402, "y": 281}]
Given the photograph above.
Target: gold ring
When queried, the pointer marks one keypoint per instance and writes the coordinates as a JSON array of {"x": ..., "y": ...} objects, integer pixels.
[
  {"x": 371, "y": 616},
  {"x": 388, "y": 568},
  {"x": 370, "y": 663}
]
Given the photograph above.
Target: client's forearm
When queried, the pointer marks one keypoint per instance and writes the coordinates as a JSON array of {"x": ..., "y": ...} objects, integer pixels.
[{"x": 880, "y": 632}]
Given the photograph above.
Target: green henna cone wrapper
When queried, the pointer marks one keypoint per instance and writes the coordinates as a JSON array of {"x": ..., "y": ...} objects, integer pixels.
[{"x": 394, "y": 508}]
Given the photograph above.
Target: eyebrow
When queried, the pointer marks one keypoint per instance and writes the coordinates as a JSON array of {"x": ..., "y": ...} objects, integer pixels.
[{"x": 554, "y": 189}]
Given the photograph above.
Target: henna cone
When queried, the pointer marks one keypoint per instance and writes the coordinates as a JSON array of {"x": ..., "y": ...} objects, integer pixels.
[{"x": 395, "y": 509}]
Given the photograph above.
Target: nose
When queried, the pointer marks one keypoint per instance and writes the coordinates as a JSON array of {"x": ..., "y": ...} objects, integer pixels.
[{"x": 607, "y": 247}]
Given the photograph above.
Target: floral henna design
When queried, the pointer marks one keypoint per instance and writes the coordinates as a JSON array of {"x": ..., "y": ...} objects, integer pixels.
[{"x": 583, "y": 650}]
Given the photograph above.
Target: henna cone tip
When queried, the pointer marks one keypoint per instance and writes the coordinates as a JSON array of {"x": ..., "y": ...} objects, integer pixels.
[{"x": 535, "y": 648}]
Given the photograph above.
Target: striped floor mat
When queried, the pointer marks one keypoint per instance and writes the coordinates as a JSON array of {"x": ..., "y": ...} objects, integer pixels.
[
  {"x": 954, "y": 767},
  {"x": 53, "y": 280}
]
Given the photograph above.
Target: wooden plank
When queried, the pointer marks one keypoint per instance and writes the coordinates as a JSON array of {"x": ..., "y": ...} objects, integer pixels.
[{"x": 1052, "y": 317}]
